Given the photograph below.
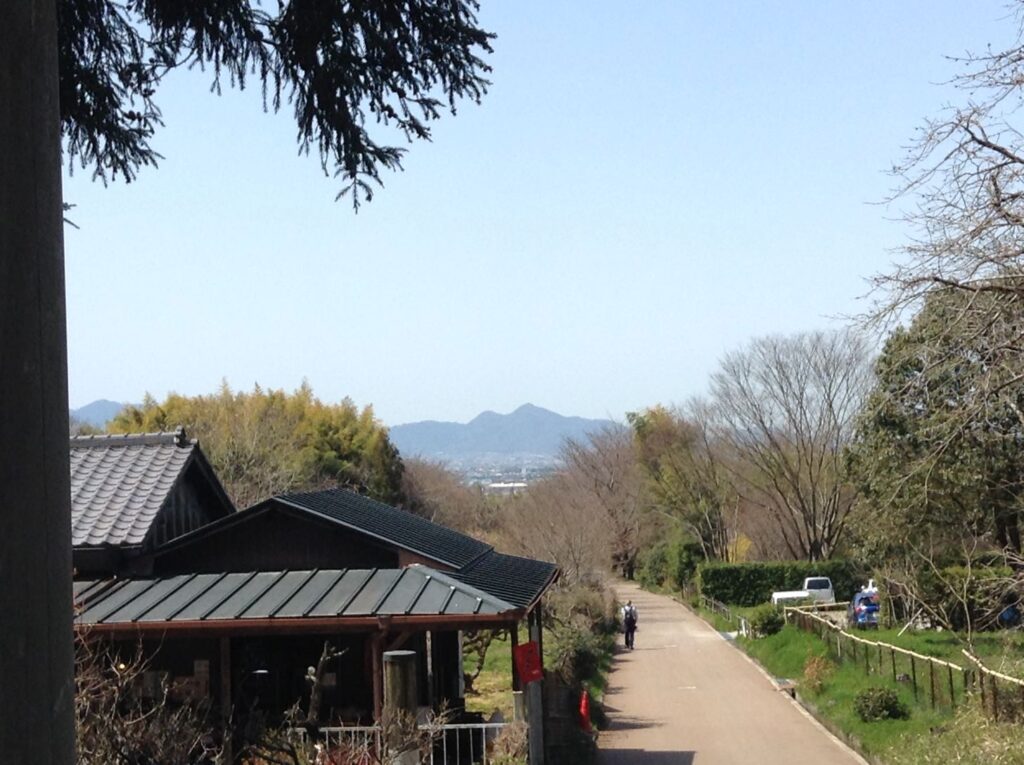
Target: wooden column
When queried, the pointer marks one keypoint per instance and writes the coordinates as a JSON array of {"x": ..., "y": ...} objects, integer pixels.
[
  {"x": 400, "y": 702},
  {"x": 376, "y": 648},
  {"x": 535, "y": 699},
  {"x": 226, "y": 699},
  {"x": 513, "y": 632},
  {"x": 36, "y": 651}
]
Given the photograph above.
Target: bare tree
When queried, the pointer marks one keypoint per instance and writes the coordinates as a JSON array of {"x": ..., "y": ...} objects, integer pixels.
[
  {"x": 436, "y": 493},
  {"x": 963, "y": 181},
  {"x": 606, "y": 470},
  {"x": 785, "y": 406},
  {"x": 555, "y": 520}
]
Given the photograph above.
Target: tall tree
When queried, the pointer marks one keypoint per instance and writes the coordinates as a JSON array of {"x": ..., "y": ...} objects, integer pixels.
[
  {"x": 688, "y": 479},
  {"x": 785, "y": 406},
  {"x": 266, "y": 442},
  {"x": 94, "y": 78},
  {"x": 962, "y": 182},
  {"x": 605, "y": 468},
  {"x": 937, "y": 455},
  {"x": 35, "y": 553}
]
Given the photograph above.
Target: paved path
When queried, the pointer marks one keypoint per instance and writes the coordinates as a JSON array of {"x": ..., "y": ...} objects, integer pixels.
[{"x": 685, "y": 696}]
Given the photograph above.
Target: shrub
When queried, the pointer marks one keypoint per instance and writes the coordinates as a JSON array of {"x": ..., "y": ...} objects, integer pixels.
[
  {"x": 817, "y": 671},
  {"x": 873, "y": 704},
  {"x": 748, "y": 584},
  {"x": 767, "y": 620},
  {"x": 670, "y": 562}
]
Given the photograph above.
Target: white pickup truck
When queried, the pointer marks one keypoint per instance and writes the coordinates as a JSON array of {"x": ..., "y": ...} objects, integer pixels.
[{"x": 816, "y": 588}]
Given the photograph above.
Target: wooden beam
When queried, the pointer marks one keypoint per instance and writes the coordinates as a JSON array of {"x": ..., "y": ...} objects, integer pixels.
[{"x": 320, "y": 625}]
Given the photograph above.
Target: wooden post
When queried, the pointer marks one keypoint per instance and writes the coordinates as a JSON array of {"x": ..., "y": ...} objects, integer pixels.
[
  {"x": 913, "y": 675},
  {"x": 226, "y": 698},
  {"x": 36, "y": 651},
  {"x": 428, "y": 643},
  {"x": 952, "y": 691},
  {"x": 400, "y": 701},
  {"x": 879, "y": 659},
  {"x": 931, "y": 681},
  {"x": 867, "y": 660},
  {"x": 378, "y": 675},
  {"x": 535, "y": 698},
  {"x": 892, "y": 658},
  {"x": 981, "y": 685},
  {"x": 995, "y": 699},
  {"x": 518, "y": 706},
  {"x": 513, "y": 633}
]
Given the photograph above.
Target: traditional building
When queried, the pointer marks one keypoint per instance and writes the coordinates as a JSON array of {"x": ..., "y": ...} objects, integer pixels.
[{"x": 236, "y": 606}]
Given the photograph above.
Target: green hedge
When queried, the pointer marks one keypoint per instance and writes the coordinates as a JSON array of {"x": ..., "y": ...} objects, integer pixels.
[{"x": 748, "y": 584}]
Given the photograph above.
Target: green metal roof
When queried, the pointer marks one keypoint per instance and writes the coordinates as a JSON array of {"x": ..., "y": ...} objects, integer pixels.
[{"x": 284, "y": 595}]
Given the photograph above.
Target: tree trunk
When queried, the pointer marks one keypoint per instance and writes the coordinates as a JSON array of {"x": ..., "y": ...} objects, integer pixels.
[{"x": 36, "y": 663}]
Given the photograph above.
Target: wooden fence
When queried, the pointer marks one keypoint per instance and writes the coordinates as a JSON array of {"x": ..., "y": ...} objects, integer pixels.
[{"x": 937, "y": 682}]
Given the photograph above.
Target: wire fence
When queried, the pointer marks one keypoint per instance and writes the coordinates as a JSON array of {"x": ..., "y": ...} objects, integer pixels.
[{"x": 933, "y": 681}]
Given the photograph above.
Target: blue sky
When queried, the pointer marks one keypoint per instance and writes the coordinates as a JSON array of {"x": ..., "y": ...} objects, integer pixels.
[{"x": 646, "y": 187}]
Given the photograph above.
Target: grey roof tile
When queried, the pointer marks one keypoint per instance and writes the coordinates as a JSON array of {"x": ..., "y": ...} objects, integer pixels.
[{"x": 119, "y": 484}]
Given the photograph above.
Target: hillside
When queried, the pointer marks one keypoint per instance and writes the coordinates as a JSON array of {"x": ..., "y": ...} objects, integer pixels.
[
  {"x": 529, "y": 430},
  {"x": 98, "y": 413}
]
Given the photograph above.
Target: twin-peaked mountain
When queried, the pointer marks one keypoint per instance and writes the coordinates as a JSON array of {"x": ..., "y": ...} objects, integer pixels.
[{"x": 528, "y": 430}]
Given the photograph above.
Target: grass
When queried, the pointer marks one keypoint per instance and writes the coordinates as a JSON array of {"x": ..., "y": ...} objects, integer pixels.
[
  {"x": 494, "y": 685},
  {"x": 785, "y": 655}
]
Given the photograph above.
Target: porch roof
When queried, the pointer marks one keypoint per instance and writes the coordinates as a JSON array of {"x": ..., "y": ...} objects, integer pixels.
[{"x": 283, "y": 600}]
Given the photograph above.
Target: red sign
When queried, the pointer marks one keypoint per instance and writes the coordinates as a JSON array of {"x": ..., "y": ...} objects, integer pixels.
[{"x": 527, "y": 657}]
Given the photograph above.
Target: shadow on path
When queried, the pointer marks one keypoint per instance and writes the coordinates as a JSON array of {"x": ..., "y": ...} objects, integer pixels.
[{"x": 644, "y": 757}]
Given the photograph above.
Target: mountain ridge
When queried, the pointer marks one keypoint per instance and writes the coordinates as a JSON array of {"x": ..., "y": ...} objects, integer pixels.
[{"x": 528, "y": 430}]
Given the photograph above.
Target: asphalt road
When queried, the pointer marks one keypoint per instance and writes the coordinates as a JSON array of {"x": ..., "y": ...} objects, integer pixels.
[{"x": 685, "y": 696}]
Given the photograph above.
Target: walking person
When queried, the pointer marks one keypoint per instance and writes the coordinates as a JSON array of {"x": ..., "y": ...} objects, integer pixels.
[{"x": 629, "y": 619}]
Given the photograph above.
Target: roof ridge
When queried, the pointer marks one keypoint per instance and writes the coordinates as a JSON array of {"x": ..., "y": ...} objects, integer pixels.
[{"x": 176, "y": 437}]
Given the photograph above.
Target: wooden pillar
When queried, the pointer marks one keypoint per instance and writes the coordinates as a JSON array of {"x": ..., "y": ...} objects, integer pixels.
[
  {"x": 376, "y": 643},
  {"x": 513, "y": 632},
  {"x": 535, "y": 699},
  {"x": 226, "y": 700},
  {"x": 400, "y": 691},
  {"x": 36, "y": 650},
  {"x": 428, "y": 643},
  {"x": 400, "y": 702}
]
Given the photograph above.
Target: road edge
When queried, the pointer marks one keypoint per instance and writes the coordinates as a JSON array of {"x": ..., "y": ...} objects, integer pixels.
[{"x": 807, "y": 710}]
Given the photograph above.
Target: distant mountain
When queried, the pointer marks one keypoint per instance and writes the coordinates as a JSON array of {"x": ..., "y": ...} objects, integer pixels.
[
  {"x": 529, "y": 430},
  {"x": 98, "y": 413}
]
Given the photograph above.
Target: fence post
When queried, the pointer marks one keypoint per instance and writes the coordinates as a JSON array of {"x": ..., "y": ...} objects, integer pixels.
[
  {"x": 867, "y": 660},
  {"x": 879, "y": 659},
  {"x": 984, "y": 696},
  {"x": 995, "y": 699},
  {"x": 400, "y": 700},
  {"x": 913, "y": 674},
  {"x": 931, "y": 681},
  {"x": 892, "y": 657},
  {"x": 952, "y": 692}
]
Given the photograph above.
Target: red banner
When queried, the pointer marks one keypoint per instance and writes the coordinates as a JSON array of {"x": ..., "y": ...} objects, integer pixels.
[{"x": 528, "y": 664}]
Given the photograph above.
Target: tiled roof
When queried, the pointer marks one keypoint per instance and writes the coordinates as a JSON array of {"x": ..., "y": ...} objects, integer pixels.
[
  {"x": 281, "y": 595},
  {"x": 119, "y": 484},
  {"x": 394, "y": 526},
  {"x": 520, "y": 581}
]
